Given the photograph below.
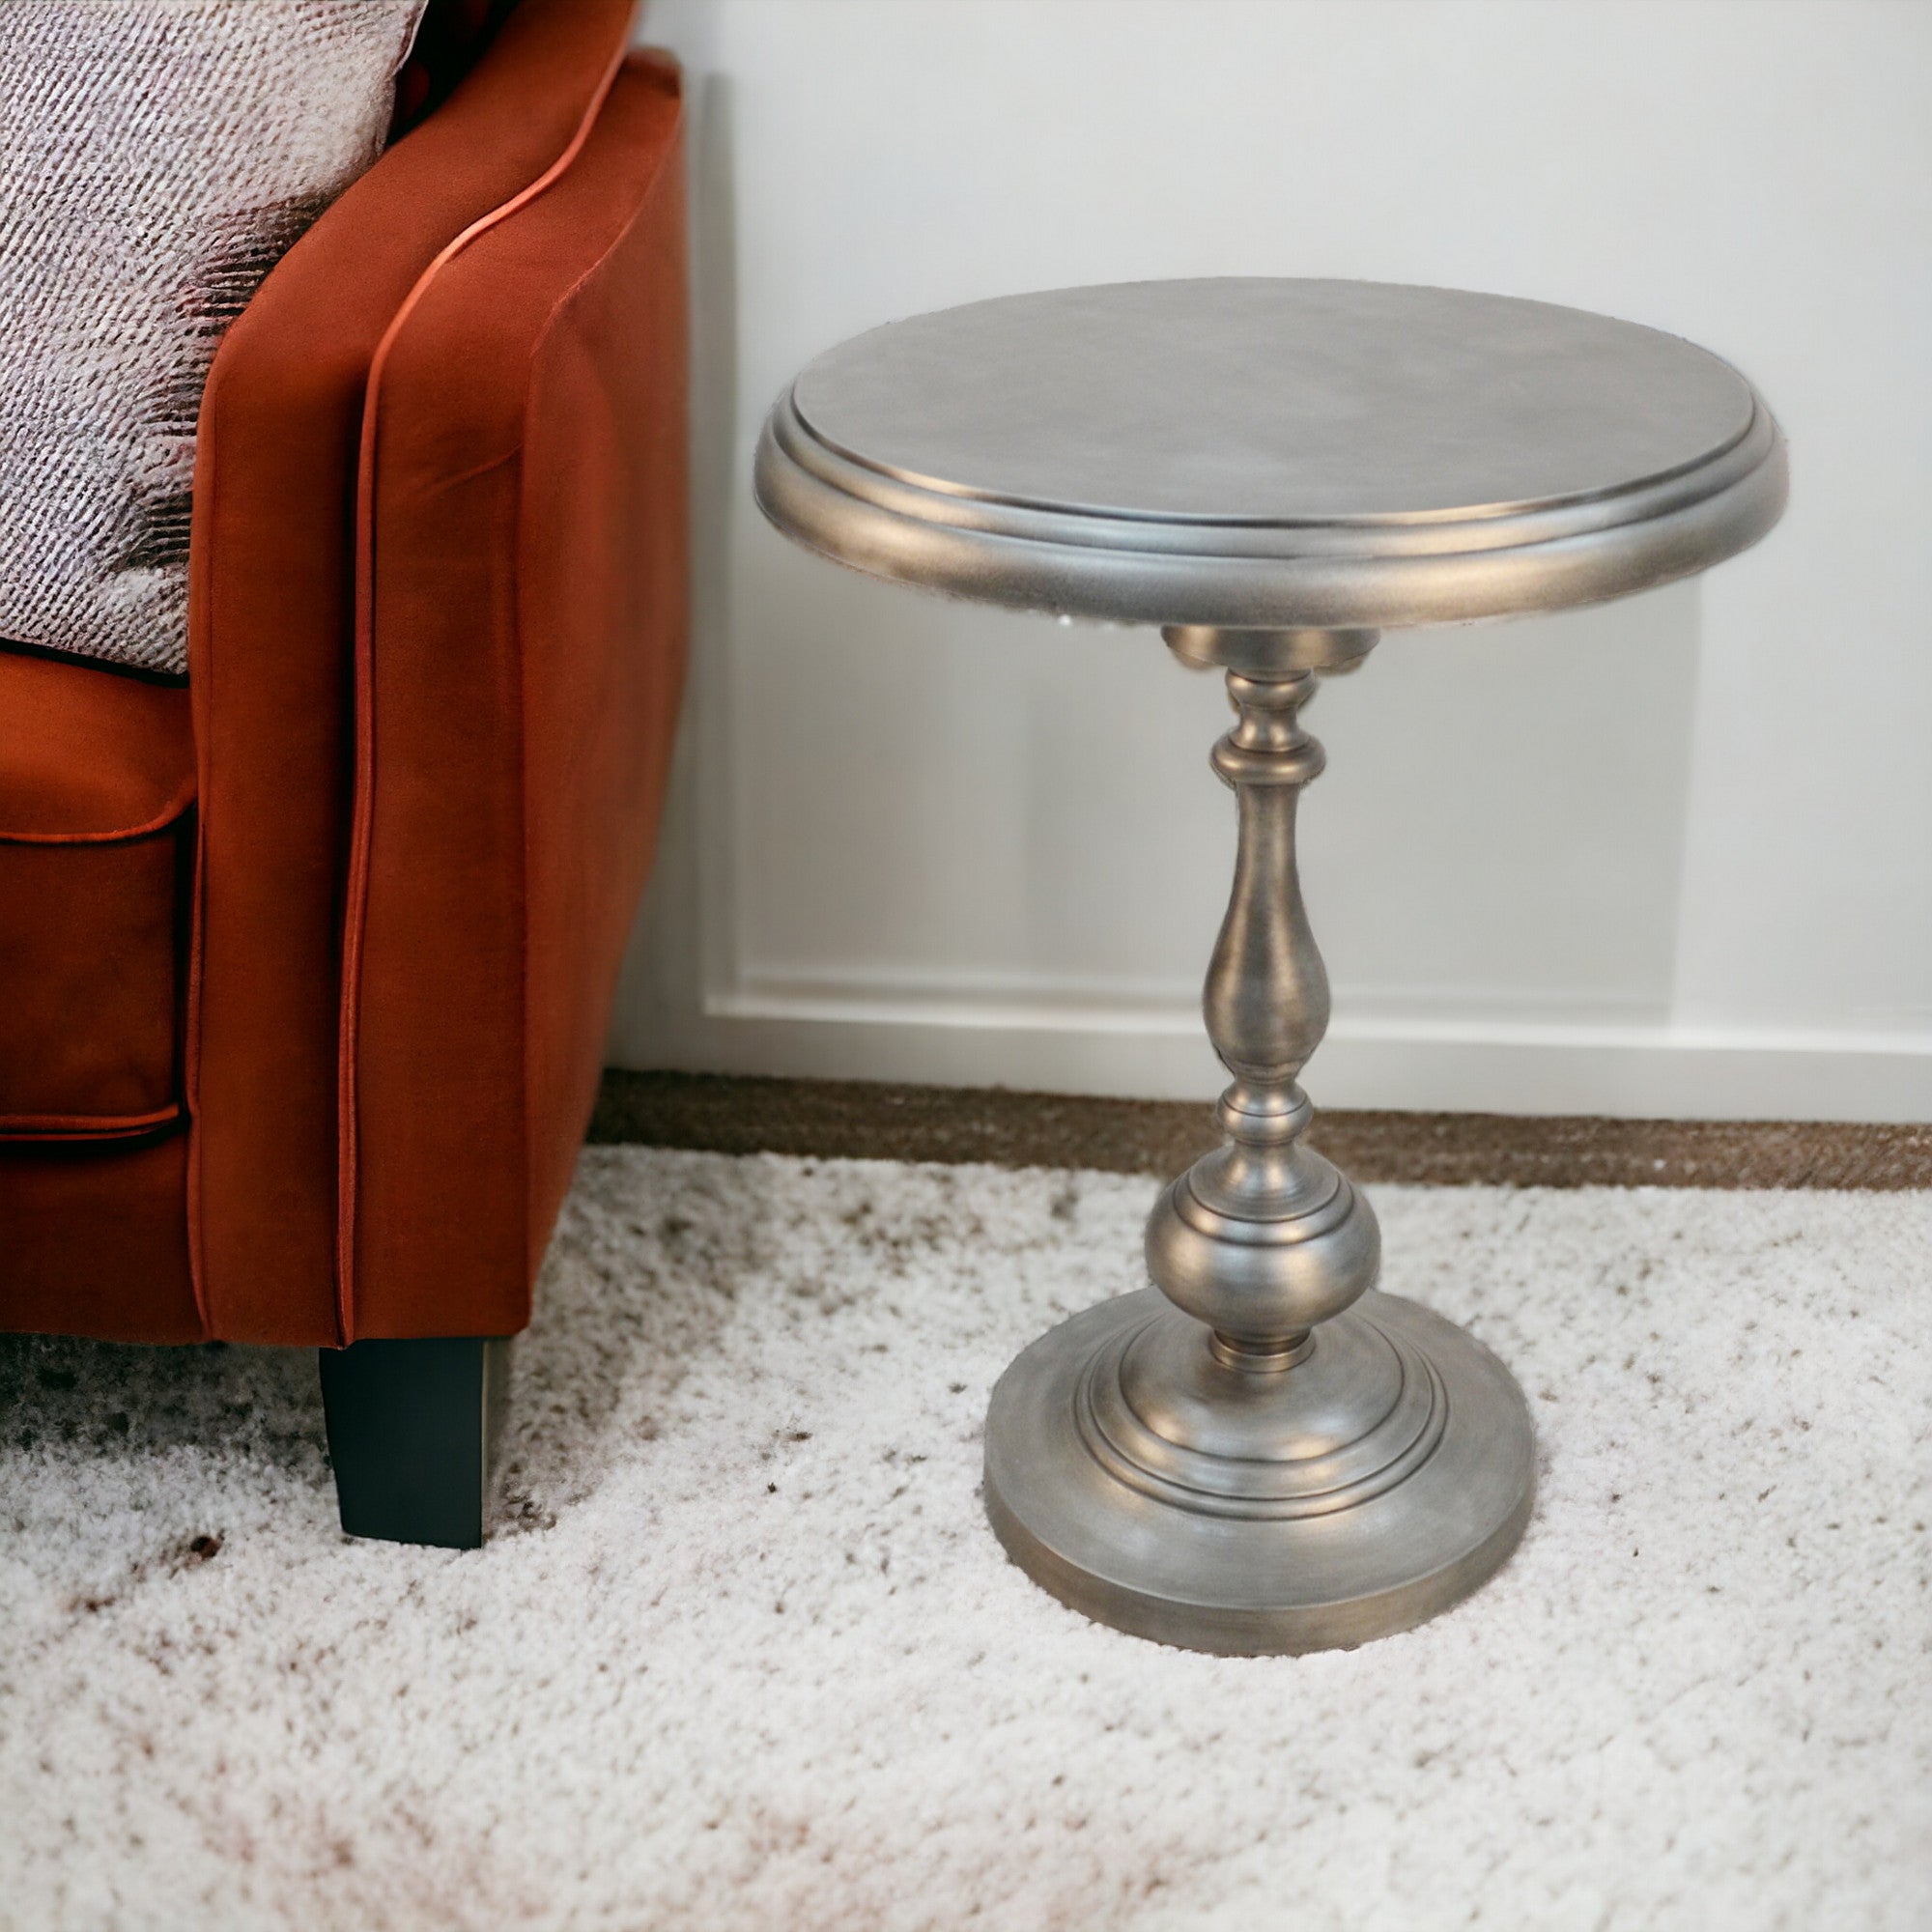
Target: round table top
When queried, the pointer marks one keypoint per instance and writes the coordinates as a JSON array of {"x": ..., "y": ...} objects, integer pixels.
[{"x": 1273, "y": 453}]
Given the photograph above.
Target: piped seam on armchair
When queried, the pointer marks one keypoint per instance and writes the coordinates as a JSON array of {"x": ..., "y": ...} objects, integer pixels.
[
  {"x": 175, "y": 807},
  {"x": 362, "y": 819}
]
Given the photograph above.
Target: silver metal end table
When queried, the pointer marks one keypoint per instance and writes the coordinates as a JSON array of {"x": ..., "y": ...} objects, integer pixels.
[{"x": 1261, "y": 1453}]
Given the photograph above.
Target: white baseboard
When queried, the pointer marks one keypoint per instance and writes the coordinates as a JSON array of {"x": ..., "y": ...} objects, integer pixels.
[{"x": 1155, "y": 1049}]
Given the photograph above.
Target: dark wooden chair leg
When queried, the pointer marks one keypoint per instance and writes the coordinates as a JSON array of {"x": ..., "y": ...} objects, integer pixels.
[{"x": 412, "y": 1427}]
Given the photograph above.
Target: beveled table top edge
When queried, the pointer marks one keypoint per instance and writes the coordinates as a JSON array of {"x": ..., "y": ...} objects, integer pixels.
[
  {"x": 1381, "y": 568},
  {"x": 1402, "y": 576}
]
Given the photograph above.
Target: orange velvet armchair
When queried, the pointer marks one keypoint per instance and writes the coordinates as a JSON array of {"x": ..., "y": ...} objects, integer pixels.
[{"x": 305, "y": 964}]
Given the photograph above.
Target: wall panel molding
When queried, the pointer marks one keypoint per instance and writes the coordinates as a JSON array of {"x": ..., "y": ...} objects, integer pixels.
[{"x": 1156, "y": 1050}]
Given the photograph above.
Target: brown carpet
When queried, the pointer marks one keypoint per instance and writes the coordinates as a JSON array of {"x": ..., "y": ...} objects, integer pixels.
[{"x": 869, "y": 1120}]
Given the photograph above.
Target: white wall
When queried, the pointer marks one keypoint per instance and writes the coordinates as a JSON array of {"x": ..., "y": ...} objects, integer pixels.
[{"x": 1671, "y": 856}]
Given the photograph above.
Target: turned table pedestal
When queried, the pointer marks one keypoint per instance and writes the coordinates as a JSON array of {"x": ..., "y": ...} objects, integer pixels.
[{"x": 1263, "y": 1453}]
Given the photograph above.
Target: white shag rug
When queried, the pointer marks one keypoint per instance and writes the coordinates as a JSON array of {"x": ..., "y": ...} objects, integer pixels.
[{"x": 744, "y": 1653}]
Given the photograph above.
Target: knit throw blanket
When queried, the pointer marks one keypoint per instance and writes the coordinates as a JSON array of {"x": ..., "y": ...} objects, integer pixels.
[{"x": 160, "y": 156}]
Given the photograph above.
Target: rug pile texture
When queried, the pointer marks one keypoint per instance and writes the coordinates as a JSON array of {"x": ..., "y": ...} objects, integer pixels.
[{"x": 742, "y": 1652}]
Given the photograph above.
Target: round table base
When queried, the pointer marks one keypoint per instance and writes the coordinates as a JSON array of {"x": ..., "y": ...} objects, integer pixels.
[{"x": 1154, "y": 1487}]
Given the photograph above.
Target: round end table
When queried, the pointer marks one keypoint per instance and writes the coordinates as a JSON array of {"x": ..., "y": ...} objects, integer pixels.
[{"x": 1263, "y": 1453}]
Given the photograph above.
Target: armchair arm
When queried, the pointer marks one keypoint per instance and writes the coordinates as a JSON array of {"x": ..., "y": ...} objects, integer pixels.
[
  {"x": 271, "y": 643},
  {"x": 520, "y": 658}
]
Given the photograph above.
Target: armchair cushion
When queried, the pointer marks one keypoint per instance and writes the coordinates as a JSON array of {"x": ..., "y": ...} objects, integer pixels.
[
  {"x": 97, "y": 786},
  {"x": 160, "y": 154}
]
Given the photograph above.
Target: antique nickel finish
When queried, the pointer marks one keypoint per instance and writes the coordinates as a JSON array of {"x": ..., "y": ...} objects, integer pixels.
[
  {"x": 1263, "y": 1453},
  {"x": 1256, "y": 453},
  {"x": 1273, "y": 1458}
]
